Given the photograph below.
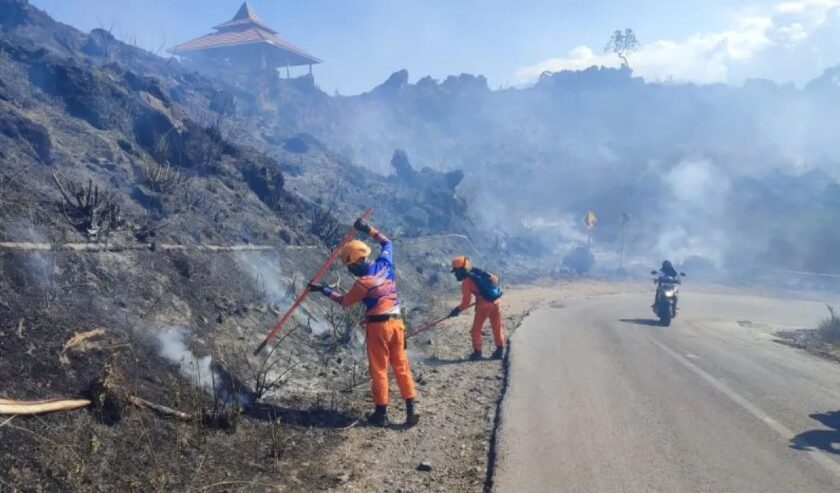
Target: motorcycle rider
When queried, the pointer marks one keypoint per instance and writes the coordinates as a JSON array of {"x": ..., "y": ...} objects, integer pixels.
[{"x": 666, "y": 271}]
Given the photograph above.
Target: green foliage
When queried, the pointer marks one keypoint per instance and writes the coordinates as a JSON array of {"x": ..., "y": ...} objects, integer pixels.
[{"x": 622, "y": 43}]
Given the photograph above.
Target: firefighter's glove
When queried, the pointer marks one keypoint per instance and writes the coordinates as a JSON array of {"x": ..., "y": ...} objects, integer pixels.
[
  {"x": 317, "y": 288},
  {"x": 362, "y": 225},
  {"x": 455, "y": 312}
]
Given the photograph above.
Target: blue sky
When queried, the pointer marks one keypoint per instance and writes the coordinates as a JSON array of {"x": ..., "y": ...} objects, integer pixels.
[{"x": 364, "y": 41}]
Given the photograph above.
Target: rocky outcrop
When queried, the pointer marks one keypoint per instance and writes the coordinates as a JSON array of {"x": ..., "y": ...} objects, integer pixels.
[
  {"x": 435, "y": 207},
  {"x": 23, "y": 132}
]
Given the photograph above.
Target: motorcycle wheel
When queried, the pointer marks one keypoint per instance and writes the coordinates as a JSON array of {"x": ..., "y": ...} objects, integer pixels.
[{"x": 665, "y": 317}]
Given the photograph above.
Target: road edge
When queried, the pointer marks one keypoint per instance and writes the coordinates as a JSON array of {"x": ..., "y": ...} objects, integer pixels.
[{"x": 497, "y": 419}]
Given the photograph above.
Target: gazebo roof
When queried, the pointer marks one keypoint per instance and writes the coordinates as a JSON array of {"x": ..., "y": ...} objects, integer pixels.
[
  {"x": 246, "y": 29},
  {"x": 245, "y": 16}
]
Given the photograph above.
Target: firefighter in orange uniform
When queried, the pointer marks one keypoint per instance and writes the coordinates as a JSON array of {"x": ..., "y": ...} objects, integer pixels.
[
  {"x": 484, "y": 308},
  {"x": 376, "y": 287}
]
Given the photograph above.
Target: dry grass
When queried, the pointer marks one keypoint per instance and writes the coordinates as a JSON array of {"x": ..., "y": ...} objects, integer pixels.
[
  {"x": 829, "y": 328},
  {"x": 162, "y": 178},
  {"x": 326, "y": 227}
]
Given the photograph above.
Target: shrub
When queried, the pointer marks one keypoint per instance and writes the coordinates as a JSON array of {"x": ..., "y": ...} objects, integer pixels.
[
  {"x": 161, "y": 178},
  {"x": 829, "y": 328}
]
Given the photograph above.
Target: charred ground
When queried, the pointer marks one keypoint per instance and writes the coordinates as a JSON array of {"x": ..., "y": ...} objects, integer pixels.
[{"x": 133, "y": 201}]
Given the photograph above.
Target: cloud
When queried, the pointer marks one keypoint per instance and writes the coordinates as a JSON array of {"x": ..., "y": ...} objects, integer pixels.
[{"x": 727, "y": 56}]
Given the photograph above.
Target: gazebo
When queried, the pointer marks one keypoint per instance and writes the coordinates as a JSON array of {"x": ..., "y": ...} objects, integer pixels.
[{"x": 244, "y": 42}]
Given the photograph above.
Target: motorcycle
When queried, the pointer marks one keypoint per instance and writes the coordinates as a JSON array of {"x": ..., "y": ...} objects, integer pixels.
[{"x": 667, "y": 294}]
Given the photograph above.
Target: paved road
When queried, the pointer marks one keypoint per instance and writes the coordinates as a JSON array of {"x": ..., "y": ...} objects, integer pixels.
[{"x": 600, "y": 400}]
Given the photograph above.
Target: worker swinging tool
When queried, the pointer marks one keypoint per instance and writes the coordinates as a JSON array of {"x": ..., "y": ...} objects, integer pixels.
[
  {"x": 487, "y": 291},
  {"x": 348, "y": 237},
  {"x": 376, "y": 288}
]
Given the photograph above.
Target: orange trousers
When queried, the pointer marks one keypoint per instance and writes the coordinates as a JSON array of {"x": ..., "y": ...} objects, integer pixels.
[
  {"x": 386, "y": 343},
  {"x": 483, "y": 311}
]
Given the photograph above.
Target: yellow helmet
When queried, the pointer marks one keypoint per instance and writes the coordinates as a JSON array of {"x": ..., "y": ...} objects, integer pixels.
[
  {"x": 354, "y": 251},
  {"x": 461, "y": 262}
]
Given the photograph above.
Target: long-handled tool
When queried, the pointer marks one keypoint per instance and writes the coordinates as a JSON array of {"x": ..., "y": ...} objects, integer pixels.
[
  {"x": 318, "y": 275},
  {"x": 431, "y": 325}
]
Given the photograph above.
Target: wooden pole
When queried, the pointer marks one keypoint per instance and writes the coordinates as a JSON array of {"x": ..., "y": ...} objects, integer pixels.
[
  {"x": 623, "y": 237},
  {"x": 13, "y": 407}
]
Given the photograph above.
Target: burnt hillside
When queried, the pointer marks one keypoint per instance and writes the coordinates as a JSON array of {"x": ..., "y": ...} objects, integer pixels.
[{"x": 148, "y": 241}]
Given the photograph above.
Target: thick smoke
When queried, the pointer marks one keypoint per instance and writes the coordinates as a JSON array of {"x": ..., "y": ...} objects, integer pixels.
[
  {"x": 724, "y": 176},
  {"x": 695, "y": 202}
]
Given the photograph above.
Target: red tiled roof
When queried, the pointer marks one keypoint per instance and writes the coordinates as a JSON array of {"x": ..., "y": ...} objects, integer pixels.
[
  {"x": 244, "y": 29},
  {"x": 235, "y": 38}
]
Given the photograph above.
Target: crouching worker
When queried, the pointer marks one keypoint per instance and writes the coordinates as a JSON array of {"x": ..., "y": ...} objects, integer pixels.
[
  {"x": 375, "y": 286},
  {"x": 485, "y": 287}
]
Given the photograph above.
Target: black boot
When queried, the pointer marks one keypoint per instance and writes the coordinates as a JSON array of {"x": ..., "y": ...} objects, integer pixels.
[
  {"x": 475, "y": 356},
  {"x": 411, "y": 416},
  {"x": 379, "y": 417},
  {"x": 499, "y": 352}
]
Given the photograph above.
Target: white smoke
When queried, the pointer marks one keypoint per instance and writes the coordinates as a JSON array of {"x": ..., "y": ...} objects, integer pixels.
[
  {"x": 264, "y": 269},
  {"x": 565, "y": 226},
  {"x": 692, "y": 212},
  {"x": 197, "y": 370},
  {"x": 203, "y": 372},
  {"x": 39, "y": 264}
]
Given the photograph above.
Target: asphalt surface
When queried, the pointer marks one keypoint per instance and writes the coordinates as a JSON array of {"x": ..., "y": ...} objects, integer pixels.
[{"x": 601, "y": 400}]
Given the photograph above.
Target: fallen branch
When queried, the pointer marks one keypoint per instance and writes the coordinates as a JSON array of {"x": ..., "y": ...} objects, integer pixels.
[
  {"x": 166, "y": 412},
  {"x": 8, "y": 406},
  {"x": 353, "y": 424},
  {"x": 80, "y": 337},
  {"x": 80, "y": 342}
]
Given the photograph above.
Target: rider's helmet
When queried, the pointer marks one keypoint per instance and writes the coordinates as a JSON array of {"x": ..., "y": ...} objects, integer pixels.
[{"x": 668, "y": 269}]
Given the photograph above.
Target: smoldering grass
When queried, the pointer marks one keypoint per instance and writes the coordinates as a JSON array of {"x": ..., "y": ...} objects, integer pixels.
[{"x": 173, "y": 348}]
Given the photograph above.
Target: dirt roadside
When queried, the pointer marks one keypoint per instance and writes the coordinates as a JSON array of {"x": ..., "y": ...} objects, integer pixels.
[{"x": 458, "y": 401}]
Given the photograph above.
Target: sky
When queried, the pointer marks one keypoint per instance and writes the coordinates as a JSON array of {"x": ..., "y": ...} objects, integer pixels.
[{"x": 363, "y": 41}]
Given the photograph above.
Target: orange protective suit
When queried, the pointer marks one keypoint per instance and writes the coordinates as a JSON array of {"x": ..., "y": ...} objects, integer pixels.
[
  {"x": 377, "y": 290},
  {"x": 386, "y": 343},
  {"x": 484, "y": 309}
]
